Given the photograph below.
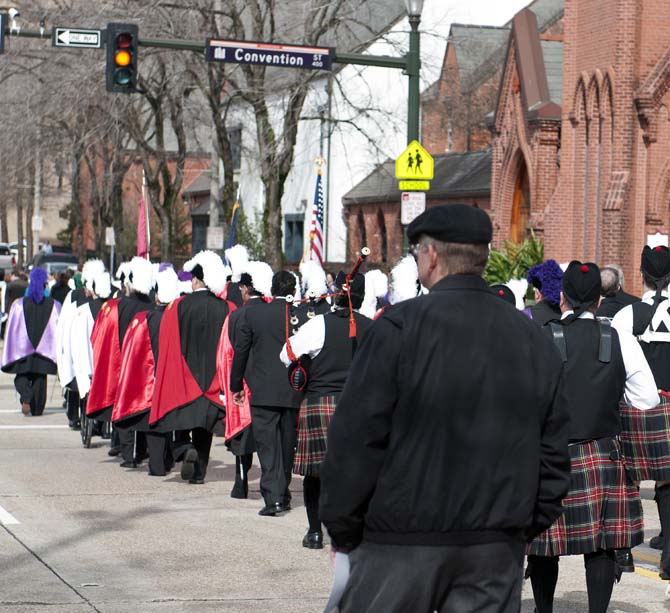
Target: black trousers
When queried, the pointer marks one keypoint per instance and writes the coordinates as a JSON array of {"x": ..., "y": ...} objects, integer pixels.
[
  {"x": 198, "y": 439},
  {"x": 275, "y": 434},
  {"x": 32, "y": 388},
  {"x": 72, "y": 401},
  {"x": 159, "y": 445},
  {"x": 133, "y": 444},
  {"x": 448, "y": 579}
]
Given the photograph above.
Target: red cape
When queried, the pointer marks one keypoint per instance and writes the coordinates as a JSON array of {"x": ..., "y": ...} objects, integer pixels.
[
  {"x": 106, "y": 358},
  {"x": 175, "y": 386},
  {"x": 136, "y": 381},
  {"x": 237, "y": 418}
]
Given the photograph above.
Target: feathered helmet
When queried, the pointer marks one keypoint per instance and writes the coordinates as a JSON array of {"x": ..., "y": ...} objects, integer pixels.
[
  {"x": 36, "y": 284},
  {"x": 168, "y": 285},
  {"x": 404, "y": 280},
  {"x": 547, "y": 277},
  {"x": 141, "y": 276},
  {"x": 313, "y": 278},
  {"x": 259, "y": 276},
  {"x": 210, "y": 269},
  {"x": 238, "y": 257},
  {"x": 102, "y": 285},
  {"x": 92, "y": 268}
]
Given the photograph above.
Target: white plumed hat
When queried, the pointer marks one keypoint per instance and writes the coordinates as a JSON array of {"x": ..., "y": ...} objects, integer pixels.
[
  {"x": 376, "y": 286},
  {"x": 102, "y": 285},
  {"x": 213, "y": 270},
  {"x": 141, "y": 275},
  {"x": 91, "y": 269},
  {"x": 237, "y": 257},
  {"x": 404, "y": 278},
  {"x": 313, "y": 278},
  {"x": 168, "y": 285},
  {"x": 261, "y": 276}
]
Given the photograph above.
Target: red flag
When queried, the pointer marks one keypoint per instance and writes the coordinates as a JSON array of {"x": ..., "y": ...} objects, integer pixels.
[{"x": 142, "y": 247}]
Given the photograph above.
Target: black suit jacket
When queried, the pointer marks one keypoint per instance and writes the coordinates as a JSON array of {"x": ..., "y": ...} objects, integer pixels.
[
  {"x": 610, "y": 306},
  {"x": 259, "y": 335}
]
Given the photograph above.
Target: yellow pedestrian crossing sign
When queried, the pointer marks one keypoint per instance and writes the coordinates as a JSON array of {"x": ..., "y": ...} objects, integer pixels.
[{"x": 414, "y": 164}]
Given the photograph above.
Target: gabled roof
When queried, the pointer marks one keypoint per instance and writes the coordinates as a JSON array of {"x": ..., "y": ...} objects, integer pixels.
[
  {"x": 456, "y": 175},
  {"x": 552, "y": 53},
  {"x": 548, "y": 12},
  {"x": 478, "y": 50},
  {"x": 200, "y": 185}
]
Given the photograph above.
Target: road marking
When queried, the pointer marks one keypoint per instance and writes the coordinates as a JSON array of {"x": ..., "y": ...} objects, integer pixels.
[
  {"x": 649, "y": 574},
  {"x": 7, "y": 519},
  {"x": 646, "y": 557},
  {"x": 44, "y": 427},
  {"x": 18, "y": 411}
]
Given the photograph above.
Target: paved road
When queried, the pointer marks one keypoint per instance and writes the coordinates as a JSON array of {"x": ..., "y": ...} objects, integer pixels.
[{"x": 78, "y": 533}]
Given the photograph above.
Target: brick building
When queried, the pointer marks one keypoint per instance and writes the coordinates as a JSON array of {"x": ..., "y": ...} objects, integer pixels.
[
  {"x": 598, "y": 171},
  {"x": 456, "y": 112}
]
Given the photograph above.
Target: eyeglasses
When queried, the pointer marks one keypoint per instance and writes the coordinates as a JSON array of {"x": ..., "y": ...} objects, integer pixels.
[{"x": 415, "y": 249}]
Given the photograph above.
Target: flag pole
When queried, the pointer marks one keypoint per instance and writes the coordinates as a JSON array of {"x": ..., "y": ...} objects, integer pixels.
[{"x": 146, "y": 213}]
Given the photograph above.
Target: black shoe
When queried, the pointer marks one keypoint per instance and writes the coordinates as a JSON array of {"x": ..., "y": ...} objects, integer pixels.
[
  {"x": 188, "y": 465},
  {"x": 276, "y": 508},
  {"x": 128, "y": 464},
  {"x": 624, "y": 560},
  {"x": 313, "y": 540},
  {"x": 114, "y": 451},
  {"x": 240, "y": 491},
  {"x": 657, "y": 542},
  {"x": 156, "y": 474},
  {"x": 74, "y": 425},
  {"x": 196, "y": 481}
]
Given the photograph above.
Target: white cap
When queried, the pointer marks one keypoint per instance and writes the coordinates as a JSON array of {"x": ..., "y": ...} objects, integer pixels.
[{"x": 213, "y": 270}]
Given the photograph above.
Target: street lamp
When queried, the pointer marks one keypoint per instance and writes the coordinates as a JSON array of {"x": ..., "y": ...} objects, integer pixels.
[{"x": 414, "y": 8}]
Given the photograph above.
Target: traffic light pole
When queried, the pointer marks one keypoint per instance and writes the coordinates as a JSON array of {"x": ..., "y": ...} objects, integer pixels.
[{"x": 410, "y": 63}]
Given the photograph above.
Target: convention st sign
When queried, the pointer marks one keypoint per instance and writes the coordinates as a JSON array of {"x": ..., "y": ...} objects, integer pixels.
[{"x": 268, "y": 54}]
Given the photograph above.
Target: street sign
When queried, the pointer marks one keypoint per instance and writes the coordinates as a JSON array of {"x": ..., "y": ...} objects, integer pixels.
[
  {"x": 110, "y": 237},
  {"x": 414, "y": 164},
  {"x": 413, "y": 186},
  {"x": 76, "y": 37},
  {"x": 36, "y": 223},
  {"x": 412, "y": 204},
  {"x": 215, "y": 237},
  {"x": 268, "y": 54}
]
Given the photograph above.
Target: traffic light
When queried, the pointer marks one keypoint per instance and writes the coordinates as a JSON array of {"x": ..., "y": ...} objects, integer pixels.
[
  {"x": 122, "y": 43},
  {"x": 3, "y": 25}
]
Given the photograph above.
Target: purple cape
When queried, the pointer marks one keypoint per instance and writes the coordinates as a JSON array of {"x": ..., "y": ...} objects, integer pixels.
[{"x": 18, "y": 345}]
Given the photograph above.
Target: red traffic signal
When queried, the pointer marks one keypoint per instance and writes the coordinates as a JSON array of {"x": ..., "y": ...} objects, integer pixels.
[{"x": 122, "y": 46}]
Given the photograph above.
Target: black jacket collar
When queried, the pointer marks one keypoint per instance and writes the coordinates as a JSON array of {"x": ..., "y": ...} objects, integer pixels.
[{"x": 451, "y": 282}]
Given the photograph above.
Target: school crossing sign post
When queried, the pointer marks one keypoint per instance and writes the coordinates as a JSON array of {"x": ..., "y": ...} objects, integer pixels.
[{"x": 414, "y": 168}]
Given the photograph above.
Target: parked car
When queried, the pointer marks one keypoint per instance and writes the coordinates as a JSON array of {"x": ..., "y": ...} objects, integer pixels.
[
  {"x": 14, "y": 248},
  {"x": 7, "y": 259},
  {"x": 55, "y": 262}
]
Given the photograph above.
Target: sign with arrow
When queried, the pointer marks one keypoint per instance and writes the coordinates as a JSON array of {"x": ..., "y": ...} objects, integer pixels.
[{"x": 77, "y": 38}]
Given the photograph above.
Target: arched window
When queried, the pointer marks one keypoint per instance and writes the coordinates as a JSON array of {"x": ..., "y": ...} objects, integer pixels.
[{"x": 520, "y": 206}]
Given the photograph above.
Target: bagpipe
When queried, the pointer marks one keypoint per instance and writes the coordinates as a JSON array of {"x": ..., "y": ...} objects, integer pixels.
[{"x": 298, "y": 370}]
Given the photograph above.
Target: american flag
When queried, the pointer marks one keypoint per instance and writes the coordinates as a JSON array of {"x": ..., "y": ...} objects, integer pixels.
[{"x": 316, "y": 230}]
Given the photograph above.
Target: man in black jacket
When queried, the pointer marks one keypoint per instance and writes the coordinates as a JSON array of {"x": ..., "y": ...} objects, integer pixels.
[
  {"x": 614, "y": 298},
  {"x": 259, "y": 337},
  {"x": 448, "y": 448}
]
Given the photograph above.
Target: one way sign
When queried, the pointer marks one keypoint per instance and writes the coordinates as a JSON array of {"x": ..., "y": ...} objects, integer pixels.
[{"x": 76, "y": 37}]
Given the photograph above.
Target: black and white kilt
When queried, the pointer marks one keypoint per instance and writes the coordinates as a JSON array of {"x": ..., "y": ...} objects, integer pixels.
[
  {"x": 313, "y": 421},
  {"x": 645, "y": 441},
  {"x": 602, "y": 509}
]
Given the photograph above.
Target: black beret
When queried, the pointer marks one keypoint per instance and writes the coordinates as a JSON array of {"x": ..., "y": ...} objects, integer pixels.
[
  {"x": 581, "y": 283},
  {"x": 504, "y": 292},
  {"x": 453, "y": 223},
  {"x": 356, "y": 285},
  {"x": 655, "y": 262}
]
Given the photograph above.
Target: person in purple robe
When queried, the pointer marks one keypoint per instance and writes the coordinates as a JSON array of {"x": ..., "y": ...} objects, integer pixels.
[{"x": 30, "y": 343}]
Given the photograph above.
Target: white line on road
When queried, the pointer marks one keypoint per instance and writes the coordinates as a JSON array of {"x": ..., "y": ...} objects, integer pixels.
[
  {"x": 7, "y": 519},
  {"x": 44, "y": 427},
  {"x": 18, "y": 411}
]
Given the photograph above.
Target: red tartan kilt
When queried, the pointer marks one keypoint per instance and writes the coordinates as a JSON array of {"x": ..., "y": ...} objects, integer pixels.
[
  {"x": 313, "y": 421},
  {"x": 602, "y": 509},
  {"x": 645, "y": 441}
]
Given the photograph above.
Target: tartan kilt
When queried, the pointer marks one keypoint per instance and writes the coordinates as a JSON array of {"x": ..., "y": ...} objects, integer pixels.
[
  {"x": 645, "y": 441},
  {"x": 602, "y": 509},
  {"x": 313, "y": 421}
]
